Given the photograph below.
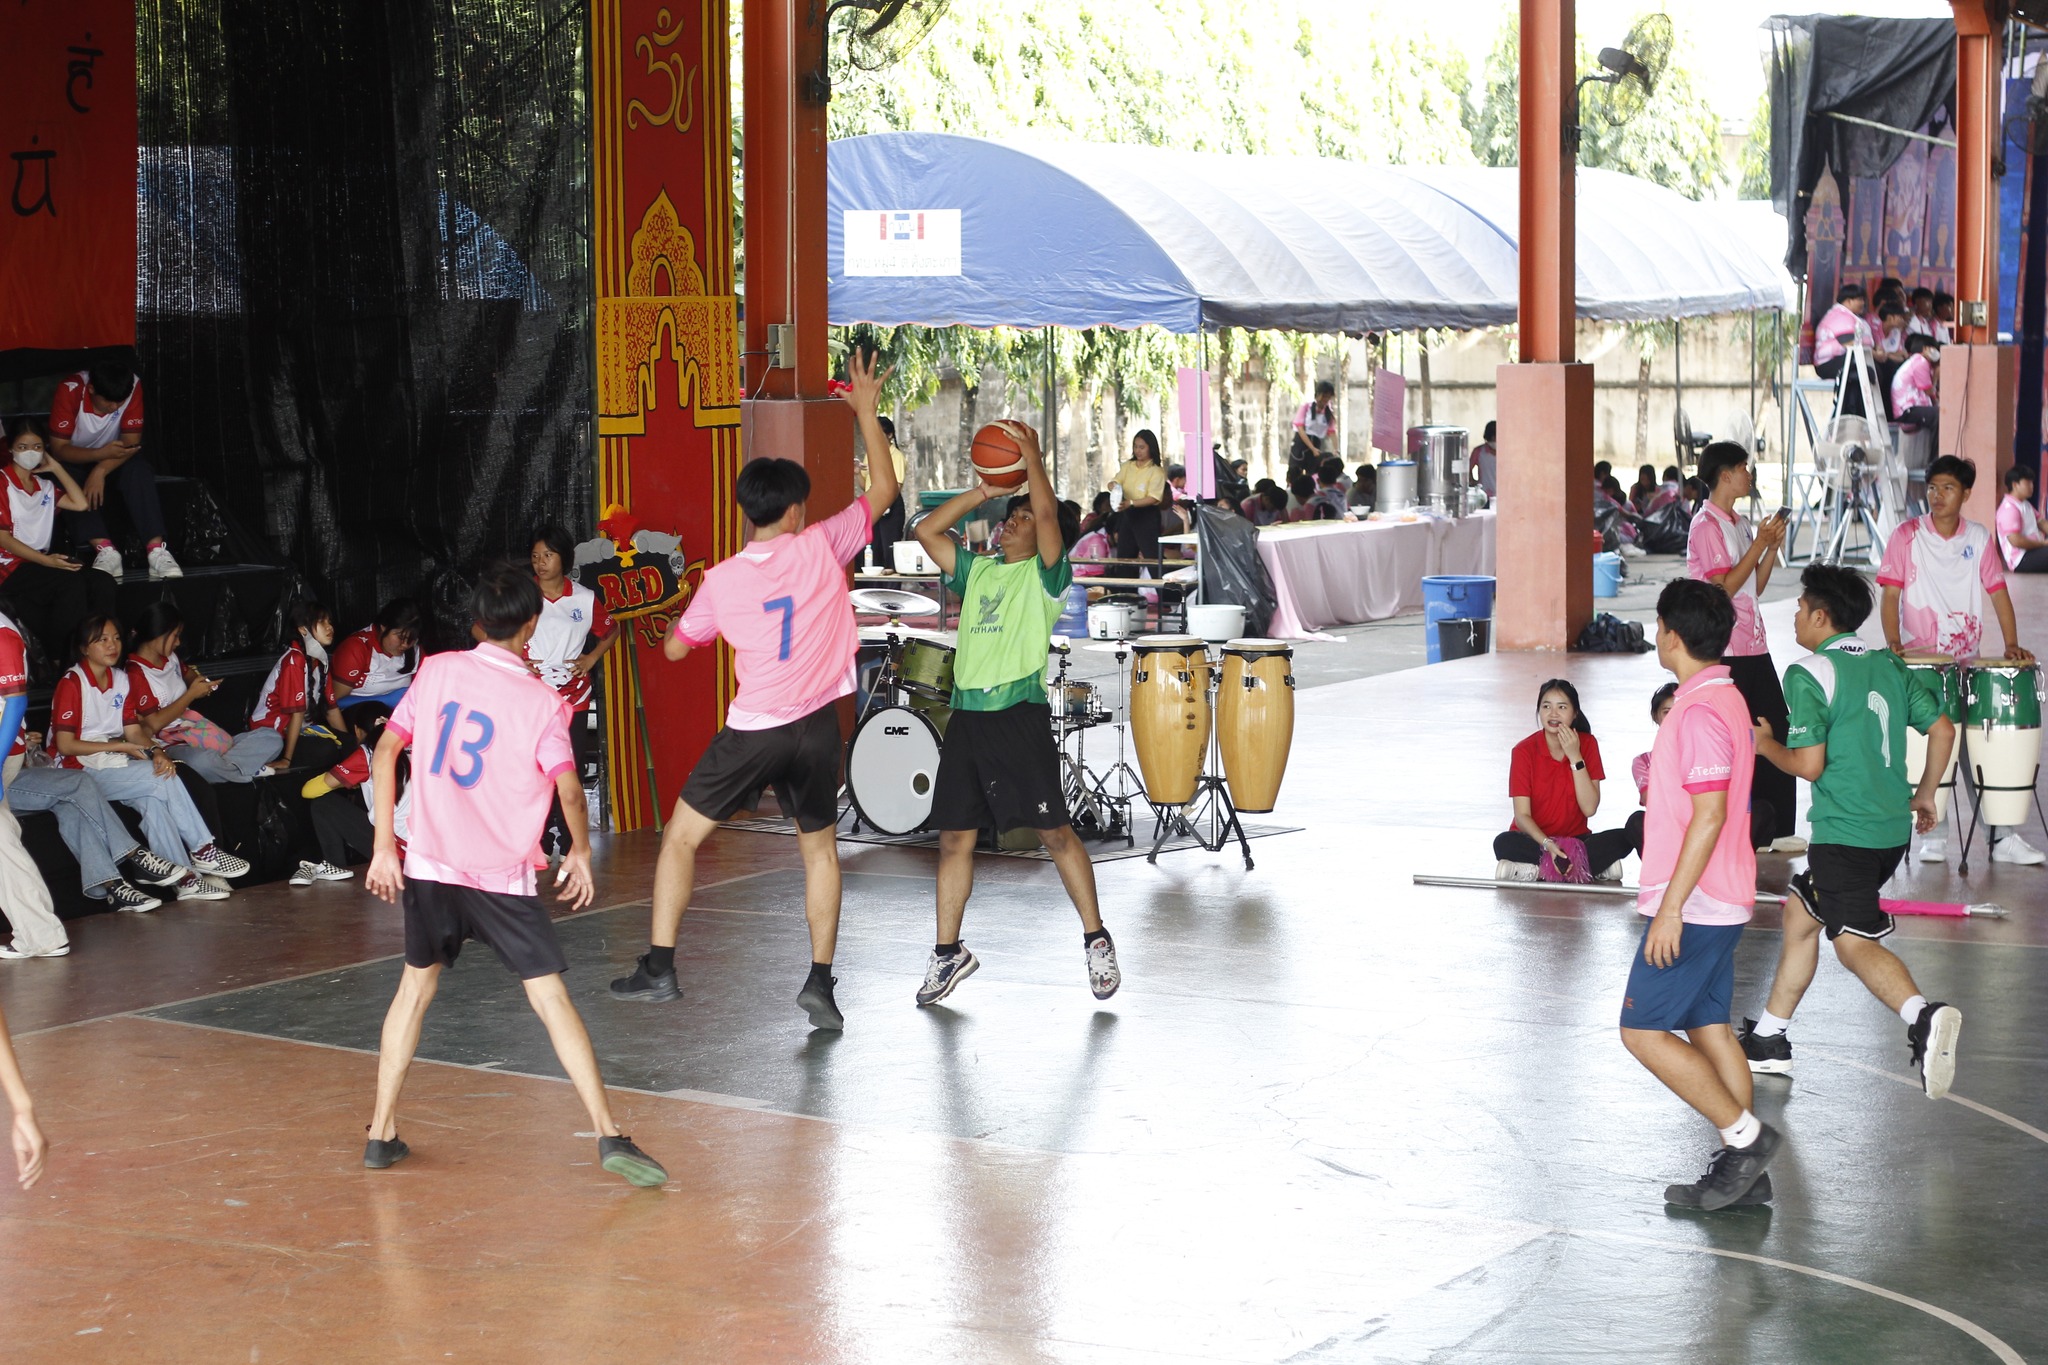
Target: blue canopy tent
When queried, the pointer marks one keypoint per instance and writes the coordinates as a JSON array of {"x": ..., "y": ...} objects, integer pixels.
[{"x": 956, "y": 230}]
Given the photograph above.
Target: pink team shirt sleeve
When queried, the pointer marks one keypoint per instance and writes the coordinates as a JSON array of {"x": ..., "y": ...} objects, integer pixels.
[
  {"x": 698, "y": 625},
  {"x": 1706, "y": 751},
  {"x": 848, "y": 530},
  {"x": 1898, "y": 558},
  {"x": 1991, "y": 571},
  {"x": 400, "y": 722},
  {"x": 1706, "y": 549},
  {"x": 554, "y": 755}
]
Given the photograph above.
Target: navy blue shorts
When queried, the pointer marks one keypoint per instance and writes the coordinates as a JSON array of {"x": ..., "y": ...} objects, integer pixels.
[{"x": 1693, "y": 992}]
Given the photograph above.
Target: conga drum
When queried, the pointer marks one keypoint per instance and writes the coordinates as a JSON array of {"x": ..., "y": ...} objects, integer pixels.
[
  {"x": 1170, "y": 714},
  {"x": 1255, "y": 720},
  {"x": 2004, "y": 735},
  {"x": 1943, "y": 677}
]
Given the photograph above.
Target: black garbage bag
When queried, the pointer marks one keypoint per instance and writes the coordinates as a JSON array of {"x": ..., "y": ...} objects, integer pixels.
[
  {"x": 1664, "y": 531},
  {"x": 1609, "y": 634},
  {"x": 1231, "y": 568}
]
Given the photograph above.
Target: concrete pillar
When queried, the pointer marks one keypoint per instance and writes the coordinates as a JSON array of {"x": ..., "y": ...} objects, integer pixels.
[
  {"x": 1979, "y": 396},
  {"x": 1979, "y": 379}
]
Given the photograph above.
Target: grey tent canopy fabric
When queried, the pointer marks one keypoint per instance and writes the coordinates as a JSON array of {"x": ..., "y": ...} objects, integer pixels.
[{"x": 938, "y": 229}]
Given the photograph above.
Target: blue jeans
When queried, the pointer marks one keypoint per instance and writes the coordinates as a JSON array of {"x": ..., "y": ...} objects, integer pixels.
[
  {"x": 170, "y": 822},
  {"x": 89, "y": 826},
  {"x": 243, "y": 761}
]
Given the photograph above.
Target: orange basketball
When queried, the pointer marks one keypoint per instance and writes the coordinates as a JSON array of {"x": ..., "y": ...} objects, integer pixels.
[{"x": 998, "y": 459}]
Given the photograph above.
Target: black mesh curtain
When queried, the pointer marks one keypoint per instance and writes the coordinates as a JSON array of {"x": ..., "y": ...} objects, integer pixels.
[{"x": 364, "y": 281}]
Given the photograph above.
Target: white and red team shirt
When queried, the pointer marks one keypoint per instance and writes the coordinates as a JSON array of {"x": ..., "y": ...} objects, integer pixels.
[
  {"x": 13, "y": 672},
  {"x": 152, "y": 689},
  {"x": 1942, "y": 585},
  {"x": 1913, "y": 384},
  {"x": 366, "y": 668},
  {"x": 82, "y": 706},
  {"x": 296, "y": 683},
  {"x": 781, "y": 604},
  {"x": 488, "y": 741},
  {"x": 72, "y": 417},
  {"x": 1714, "y": 545},
  {"x": 1706, "y": 744},
  {"x": 28, "y": 514},
  {"x": 1829, "y": 334},
  {"x": 558, "y": 637}
]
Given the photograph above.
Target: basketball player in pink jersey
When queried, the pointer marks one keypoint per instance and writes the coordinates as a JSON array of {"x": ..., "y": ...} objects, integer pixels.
[
  {"x": 490, "y": 748},
  {"x": 781, "y": 604}
]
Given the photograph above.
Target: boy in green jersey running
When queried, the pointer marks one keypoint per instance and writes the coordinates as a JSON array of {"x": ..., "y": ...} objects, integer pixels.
[
  {"x": 1850, "y": 708},
  {"x": 999, "y": 765}
]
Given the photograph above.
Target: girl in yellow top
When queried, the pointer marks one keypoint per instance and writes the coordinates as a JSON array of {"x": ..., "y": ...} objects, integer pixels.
[{"x": 1143, "y": 480}]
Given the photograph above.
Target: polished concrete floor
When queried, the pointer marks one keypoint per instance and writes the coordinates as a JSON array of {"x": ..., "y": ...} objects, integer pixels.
[{"x": 1331, "y": 1117}]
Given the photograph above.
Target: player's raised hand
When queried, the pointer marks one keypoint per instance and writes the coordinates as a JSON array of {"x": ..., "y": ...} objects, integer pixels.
[
  {"x": 863, "y": 383},
  {"x": 1025, "y": 437}
]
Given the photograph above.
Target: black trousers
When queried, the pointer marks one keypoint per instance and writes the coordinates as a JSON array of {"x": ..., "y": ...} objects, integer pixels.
[
  {"x": 1137, "y": 532},
  {"x": 2033, "y": 561},
  {"x": 1852, "y": 396},
  {"x": 888, "y": 530},
  {"x": 341, "y": 823},
  {"x": 1756, "y": 677},
  {"x": 134, "y": 483},
  {"x": 52, "y": 603},
  {"x": 1603, "y": 847},
  {"x": 1761, "y": 818}
]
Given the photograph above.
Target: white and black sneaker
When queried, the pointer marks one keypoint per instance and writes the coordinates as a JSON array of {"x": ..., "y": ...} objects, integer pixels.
[
  {"x": 1770, "y": 1056},
  {"x": 122, "y": 896},
  {"x": 211, "y": 858},
  {"x": 309, "y": 873},
  {"x": 942, "y": 974},
  {"x": 1932, "y": 1041},
  {"x": 193, "y": 887},
  {"x": 145, "y": 868},
  {"x": 1104, "y": 976}
]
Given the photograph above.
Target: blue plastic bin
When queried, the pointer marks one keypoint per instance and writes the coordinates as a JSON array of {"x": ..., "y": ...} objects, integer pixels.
[
  {"x": 1469, "y": 596},
  {"x": 1073, "y": 622},
  {"x": 1607, "y": 574}
]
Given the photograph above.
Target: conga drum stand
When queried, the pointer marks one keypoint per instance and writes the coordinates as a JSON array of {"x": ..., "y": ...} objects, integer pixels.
[
  {"x": 1208, "y": 817},
  {"x": 1973, "y": 782}
]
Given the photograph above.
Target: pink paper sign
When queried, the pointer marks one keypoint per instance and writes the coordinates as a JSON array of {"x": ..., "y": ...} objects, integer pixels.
[
  {"x": 1389, "y": 411},
  {"x": 1194, "y": 431}
]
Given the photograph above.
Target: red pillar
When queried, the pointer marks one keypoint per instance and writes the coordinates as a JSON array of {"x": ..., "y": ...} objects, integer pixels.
[
  {"x": 1979, "y": 378},
  {"x": 1545, "y": 530},
  {"x": 787, "y": 412}
]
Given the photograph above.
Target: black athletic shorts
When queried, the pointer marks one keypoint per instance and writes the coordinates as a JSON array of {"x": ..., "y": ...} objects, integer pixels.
[
  {"x": 1000, "y": 769},
  {"x": 439, "y": 918},
  {"x": 800, "y": 760},
  {"x": 1845, "y": 882}
]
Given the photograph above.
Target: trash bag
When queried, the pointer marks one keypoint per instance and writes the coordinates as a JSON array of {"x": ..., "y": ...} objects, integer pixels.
[
  {"x": 1609, "y": 634},
  {"x": 1231, "y": 568},
  {"x": 1665, "y": 530}
]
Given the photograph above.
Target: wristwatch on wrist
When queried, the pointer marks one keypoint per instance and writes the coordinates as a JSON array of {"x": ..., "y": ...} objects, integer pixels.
[{"x": 1578, "y": 765}]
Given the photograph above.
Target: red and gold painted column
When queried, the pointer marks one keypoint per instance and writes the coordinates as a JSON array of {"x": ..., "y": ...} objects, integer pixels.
[{"x": 667, "y": 352}]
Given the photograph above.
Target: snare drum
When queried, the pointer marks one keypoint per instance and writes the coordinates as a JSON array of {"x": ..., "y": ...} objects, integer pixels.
[
  {"x": 926, "y": 668},
  {"x": 1255, "y": 720},
  {"x": 2004, "y": 736},
  {"x": 1074, "y": 704},
  {"x": 1170, "y": 714},
  {"x": 1943, "y": 677}
]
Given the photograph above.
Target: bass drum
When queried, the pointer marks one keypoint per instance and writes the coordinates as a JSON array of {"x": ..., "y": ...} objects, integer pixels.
[{"x": 891, "y": 767}]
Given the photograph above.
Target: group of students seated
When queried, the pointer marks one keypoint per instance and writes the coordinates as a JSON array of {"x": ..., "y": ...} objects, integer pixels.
[
  {"x": 1904, "y": 348},
  {"x": 125, "y": 729}
]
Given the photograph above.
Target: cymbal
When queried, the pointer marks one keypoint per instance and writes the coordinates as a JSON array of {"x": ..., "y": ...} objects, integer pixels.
[{"x": 891, "y": 602}]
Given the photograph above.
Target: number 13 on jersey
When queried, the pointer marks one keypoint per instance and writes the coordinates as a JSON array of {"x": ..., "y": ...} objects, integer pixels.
[{"x": 473, "y": 747}]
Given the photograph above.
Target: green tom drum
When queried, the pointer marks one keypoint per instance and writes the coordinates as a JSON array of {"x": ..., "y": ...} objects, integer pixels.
[{"x": 2004, "y": 695}]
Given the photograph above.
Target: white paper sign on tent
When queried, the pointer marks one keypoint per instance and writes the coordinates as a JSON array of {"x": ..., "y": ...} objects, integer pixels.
[
  {"x": 1194, "y": 433},
  {"x": 902, "y": 242}
]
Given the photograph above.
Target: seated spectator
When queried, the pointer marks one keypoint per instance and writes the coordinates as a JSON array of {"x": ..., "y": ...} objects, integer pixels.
[
  {"x": 1302, "y": 503},
  {"x": 1177, "y": 483},
  {"x": 1266, "y": 506},
  {"x": 1920, "y": 304},
  {"x": 89, "y": 730},
  {"x": 377, "y": 662},
  {"x": 1944, "y": 317},
  {"x": 1328, "y": 493},
  {"x": 1915, "y": 385},
  {"x": 1554, "y": 781},
  {"x": 1841, "y": 327},
  {"x": 1484, "y": 458},
  {"x": 342, "y": 798},
  {"x": 2022, "y": 539},
  {"x": 1363, "y": 480},
  {"x": 96, "y": 425},
  {"x": 1646, "y": 489},
  {"x": 1761, "y": 815},
  {"x": 1330, "y": 473},
  {"x": 162, "y": 690},
  {"x": 1601, "y": 470},
  {"x": 1098, "y": 518},
  {"x": 1670, "y": 490},
  {"x": 1241, "y": 469},
  {"x": 49, "y": 593},
  {"x": 297, "y": 699},
  {"x": 23, "y": 896}
]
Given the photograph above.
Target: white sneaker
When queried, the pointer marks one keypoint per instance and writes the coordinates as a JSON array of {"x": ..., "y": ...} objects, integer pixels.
[
  {"x": 162, "y": 565},
  {"x": 2013, "y": 849},
  {"x": 1104, "y": 976},
  {"x": 1790, "y": 844},
  {"x": 1609, "y": 873},
  {"x": 1507, "y": 870},
  {"x": 1934, "y": 849},
  {"x": 9, "y": 953},
  {"x": 197, "y": 888},
  {"x": 212, "y": 858},
  {"x": 108, "y": 561},
  {"x": 309, "y": 873}
]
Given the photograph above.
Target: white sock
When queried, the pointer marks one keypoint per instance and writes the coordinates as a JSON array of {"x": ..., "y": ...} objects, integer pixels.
[
  {"x": 1910, "y": 1011},
  {"x": 1770, "y": 1025},
  {"x": 1747, "y": 1129}
]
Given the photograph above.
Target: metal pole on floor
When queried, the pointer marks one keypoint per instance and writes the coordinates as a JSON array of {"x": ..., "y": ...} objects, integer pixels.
[{"x": 646, "y": 739}]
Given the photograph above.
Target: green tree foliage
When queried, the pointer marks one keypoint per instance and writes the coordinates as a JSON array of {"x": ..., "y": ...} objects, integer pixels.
[{"x": 1756, "y": 153}]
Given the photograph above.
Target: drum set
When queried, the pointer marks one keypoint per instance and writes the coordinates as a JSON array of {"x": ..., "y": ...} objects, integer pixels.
[
  {"x": 1996, "y": 705},
  {"x": 1211, "y": 735}
]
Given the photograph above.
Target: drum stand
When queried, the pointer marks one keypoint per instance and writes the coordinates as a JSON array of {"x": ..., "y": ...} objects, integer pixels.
[
  {"x": 1973, "y": 780},
  {"x": 1107, "y": 815},
  {"x": 887, "y": 691},
  {"x": 1208, "y": 817}
]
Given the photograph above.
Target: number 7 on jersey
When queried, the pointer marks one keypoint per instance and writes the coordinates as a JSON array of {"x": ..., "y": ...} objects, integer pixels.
[{"x": 787, "y": 606}]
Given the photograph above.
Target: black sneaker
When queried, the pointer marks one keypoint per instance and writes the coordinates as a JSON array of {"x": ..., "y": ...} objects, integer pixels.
[
  {"x": 643, "y": 984},
  {"x": 122, "y": 896},
  {"x": 942, "y": 974},
  {"x": 1688, "y": 1196},
  {"x": 1767, "y": 1056},
  {"x": 379, "y": 1153},
  {"x": 1735, "y": 1169},
  {"x": 619, "y": 1156},
  {"x": 816, "y": 1000},
  {"x": 1932, "y": 1040},
  {"x": 145, "y": 868}
]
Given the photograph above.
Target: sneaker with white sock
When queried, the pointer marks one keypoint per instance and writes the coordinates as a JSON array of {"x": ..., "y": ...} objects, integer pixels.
[
  {"x": 2013, "y": 849},
  {"x": 194, "y": 887},
  {"x": 107, "y": 560},
  {"x": 1508, "y": 870},
  {"x": 1934, "y": 849},
  {"x": 162, "y": 565},
  {"x": 309, "y": 873},
  {"x": 210, "y": 858}
]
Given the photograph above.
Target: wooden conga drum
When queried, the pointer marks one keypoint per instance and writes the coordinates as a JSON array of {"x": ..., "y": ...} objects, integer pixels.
[
  {"x": 2004, "y": 713},
  {"x": 1170, "y": 714},
  {"x": 1255, "y": 720},
  {"x": 1943, "y": 677}
]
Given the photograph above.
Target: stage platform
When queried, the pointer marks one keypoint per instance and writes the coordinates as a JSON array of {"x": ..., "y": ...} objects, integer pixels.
[{"x": 1331, "y": 1117}]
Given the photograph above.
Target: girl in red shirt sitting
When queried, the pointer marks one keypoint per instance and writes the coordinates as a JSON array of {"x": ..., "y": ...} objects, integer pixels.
[{"x": 1554, "y": 780}]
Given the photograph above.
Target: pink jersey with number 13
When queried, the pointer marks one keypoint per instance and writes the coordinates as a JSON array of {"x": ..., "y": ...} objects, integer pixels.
[{"x": 488, "y": 741}]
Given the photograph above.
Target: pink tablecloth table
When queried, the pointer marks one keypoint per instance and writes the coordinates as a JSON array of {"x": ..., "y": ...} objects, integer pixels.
[{"x": 1336, "y": 573}]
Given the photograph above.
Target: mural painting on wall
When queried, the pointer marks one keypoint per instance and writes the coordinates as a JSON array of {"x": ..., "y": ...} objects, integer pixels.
[
  {"x": 667, "y": 368},
  {"x": 1900, "y": 225}
]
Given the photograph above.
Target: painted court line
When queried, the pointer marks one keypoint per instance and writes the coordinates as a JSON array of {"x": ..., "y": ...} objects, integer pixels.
[{"x": 1986, "y": 1110}]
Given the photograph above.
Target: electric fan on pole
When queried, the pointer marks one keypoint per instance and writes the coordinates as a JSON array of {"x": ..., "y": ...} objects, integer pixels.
[
  {"x": 1630, "y": 73},
  {"x": 877, "y": 33}
]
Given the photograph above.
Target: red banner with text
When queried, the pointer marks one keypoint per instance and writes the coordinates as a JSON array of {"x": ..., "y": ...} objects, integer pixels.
[{"x": 67, "y": 128}]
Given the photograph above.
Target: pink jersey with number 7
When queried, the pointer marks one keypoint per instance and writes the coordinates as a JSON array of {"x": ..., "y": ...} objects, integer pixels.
[
  {"x": 781, "y": 604},
  {"x": 488, "y": 741}
]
